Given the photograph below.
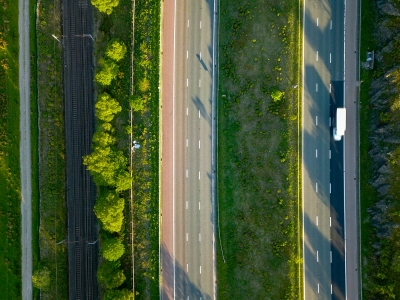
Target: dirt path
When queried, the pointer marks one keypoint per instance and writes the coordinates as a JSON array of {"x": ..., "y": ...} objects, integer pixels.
[{"x": 25, "y": 148}]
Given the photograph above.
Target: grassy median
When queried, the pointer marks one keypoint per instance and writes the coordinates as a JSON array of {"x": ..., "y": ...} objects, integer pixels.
[{"x": 258, "y": 150}]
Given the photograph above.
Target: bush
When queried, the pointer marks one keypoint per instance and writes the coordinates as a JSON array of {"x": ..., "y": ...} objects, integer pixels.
[
  {"x": 109, "y": 210},
  {"x": 110, "y": 274},
  {"x": 118, "y": 295},
  {"x": 107, "y": 107},
  {"x": 41, "y": 278},
  {"x": 108, "y": 72},
  {"x": 112, "y": 249},
  {"x": 116, "y": 50}
]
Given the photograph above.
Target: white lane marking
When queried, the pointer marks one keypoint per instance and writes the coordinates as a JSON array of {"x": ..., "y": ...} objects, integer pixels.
[
  {"x": 317, "y": 256},
  {"x": 316, "y": 187},
  {"x": 316, "y": 120},
  {"x": 330, "y": 188},
  {"x": 330, "y": 88},
  {"x": 187, "y": 53},
  {"x": 331, "y": 24},
  {"x": 318, "y": 288},
  {"x": 200, "y": 269},
  {"x": 316, "y": 153},
  {"x": 316, "y": 220},
  {"x": 187, "y": 173},
  {"x": 199, "y": 82},
  {"x": 317, "y": 22},
  {"x": 187, "y": 81},
  {"x": 199, "y": 205},
  {"x": 316, "y": 87},
  {"x": 199, "y": 237},
  {"x": 199, "y": 113},
  {"x": 330, "y": 58},
  {"x": 200, "y": 24},
  {"x": 187, "y": 111},
  {"x": 187, "y": 143},
  {"x": 317, "y": 56},
  {"x": 199, "y": 175},
  {"x": 188, "y": 23},
  {"x": 331, "y": 256},
  {"x": 331, "y": 288},
  {"x": 330, "y": 221},
  {"x": 330, "y": 154},
  {"x": 187, "y": 237},
  {"x": 187, "y": 204},
  {"x": 199, "y": 144}
]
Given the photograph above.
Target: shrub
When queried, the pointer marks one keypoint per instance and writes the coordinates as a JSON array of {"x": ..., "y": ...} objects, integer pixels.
[
  {"x": 105, "y": 6},
  {"x": 110, "y": 274},
  {"x": 41, "y": 278},
  {"x": 107, "y": 107},
  {"x": 112, "y": 249},
  {"x": 108, "y": 72},
  {"x": 116, "y": 50},
  {"x": 109, "y": 210},
  {"x": 118, "y": 295}
]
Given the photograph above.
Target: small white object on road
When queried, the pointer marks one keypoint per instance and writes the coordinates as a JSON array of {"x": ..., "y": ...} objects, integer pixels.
[
  {"x": 330, "y": 188},
  {"x": 317, "y": 22},
  {"x": 187, "y": 236},
  {"x": 199, "y": 237},
  {"x": 316, "y": 220},
  {"x": 200, "y": 269},
  {"x": 188, "y": 23},
  {"x": 199, "y": 113},
  {"x": 187, "y": 173},
  {"x": 187, "y": 143},
  {"x": 331, "y": 256},
  {"x": 200, "y": 24},
  {"x": 200, "y": 55},
  {"x": 187, "y": 81},
  {"x": 199, "y": 175},
  {"x": 330, "y": 154},
  {"x": 187, "y": 111},
  {"x": 317, "y": 256},
  {"x": 187, "y": 53},
  {"x": 317, "y": 56},
  {"x": 316, "y": 120},
  {"x": 199, "y": 82},
  {"x": 330, "y": 221},
  {"x": 330, "y": 58},
  {"x": 316, "y": 153},
  {"x": 318, "y": 288},
  {"x": 187, "y": 204},
  {"x": 199, "y": 205},
  {"x": 187, "y": 267},
  {"x": 316, "y": 87},
  {"x": 331, "y": 288},
  {"x": 330, "y": 88},
  {"x": 316, "y": 187},
  {"x": 331, "y": 24},
  {"x": 199, "y": 144}
]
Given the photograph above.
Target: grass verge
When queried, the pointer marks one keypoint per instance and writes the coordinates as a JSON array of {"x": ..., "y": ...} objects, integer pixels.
[
  {"x": 258, "y": 150},
  {"x": 10, "y": 215},
  {"x": 51, "y": 177}
]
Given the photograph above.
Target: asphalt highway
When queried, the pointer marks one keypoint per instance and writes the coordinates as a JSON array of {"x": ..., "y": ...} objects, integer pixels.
[
  {"x": 188, "y": 256},
  {"x": 79, "y": 127},
  {"x": 323, "y": 158}
]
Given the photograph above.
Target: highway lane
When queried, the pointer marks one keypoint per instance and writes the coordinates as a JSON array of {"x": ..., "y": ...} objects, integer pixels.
[
  {"x": 192, "y": 234},
  {"x": 323, "y": 62}
]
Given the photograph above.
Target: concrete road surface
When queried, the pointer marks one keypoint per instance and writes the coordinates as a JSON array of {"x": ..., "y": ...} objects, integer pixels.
[
  {"x": 187, "y": 188},
  {"x": 25, "y": 148}
]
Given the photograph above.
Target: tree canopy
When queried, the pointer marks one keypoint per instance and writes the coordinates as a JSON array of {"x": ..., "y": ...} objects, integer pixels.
[
  {"x": 109, "y": 209},
  {"x": 108, "y": 72},
  {"x": 116, "y": 50},
  {"x": 41, "y": 278},
  {"x": 112, "y": 249},
  {"x": 107, "y": 107},
  {"x": 118, "y": 295},
  {"x": 137, "y": 103},
  {"x": 110, "y": 274},
  {"x": 105, "y": 6}
]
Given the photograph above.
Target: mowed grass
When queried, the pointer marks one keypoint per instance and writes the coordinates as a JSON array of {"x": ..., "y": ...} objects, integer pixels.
[
  {"x": 258, "y": 151},
  {"x": 10, "y": 215},
  {"x": 51, "y": 152}
]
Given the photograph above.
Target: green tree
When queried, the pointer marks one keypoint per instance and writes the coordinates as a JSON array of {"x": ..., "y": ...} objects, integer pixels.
[
  {"x": 108, "y": 72},
  {"x": 105, "y": 6},
  {"x": 110, "y": 274},
  {"x": 103, "y": 138},
  {"x": 137, "y": 103},
  {"x": 116, "y": 50},
  {"x": 118, "y": 295},
  {"x": 107, "y": 107},
  {"x": 104, "y": 164},
  {"x": 41, "y": 278},
  {"x": 112, "y": 249},
  {"x": 109, "y": 210},
  {"x": 124, "y": 182}
]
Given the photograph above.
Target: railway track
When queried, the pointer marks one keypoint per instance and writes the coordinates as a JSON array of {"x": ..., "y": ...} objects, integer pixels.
[{"x": 79, "y": 128}]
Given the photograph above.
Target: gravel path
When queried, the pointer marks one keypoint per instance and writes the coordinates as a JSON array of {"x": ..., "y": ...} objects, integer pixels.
[{"x": 25, "y": 148}]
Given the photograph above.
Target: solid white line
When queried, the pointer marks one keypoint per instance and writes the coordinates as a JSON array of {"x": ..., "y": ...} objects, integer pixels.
[
  {"x": 318, "y": 288},
  {"x": 330, "y": 221},
  {"x": 317, "y": 56},
  {"x": 317, "y": 256},
  {"x": 199, "y": 205},
  {"x": 331, "y": 256},
  {"x": 316, "y": 87},
  {"x": 316, "y": 120},
  {"x": 330, "y": 154},
  {"x": 317, "y": 22},
  {"x": 199, "y": 82},
  {"x": 331, "y": 25},
  {"x": 316, "y": 153},
  {"x": 316, "y": 221},
  {"x": 330, "y": 58},
  {"x": 199, "y": 237},
  {"x": 173, "y": 155},
  {"x": 187, "y": 204},
  {"x": 316, "y": 187},
  {"x": 187, "y": 143},
  {"x": 199, "y": 144},
  {"x": 200, "y": 24},
  {"x": 199, "y": 175}
]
